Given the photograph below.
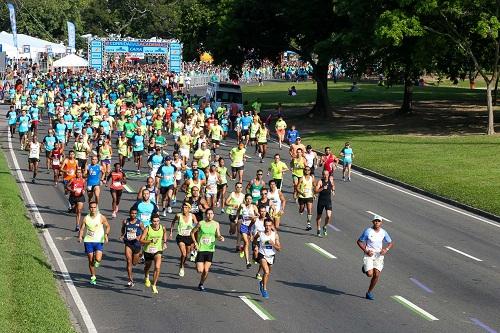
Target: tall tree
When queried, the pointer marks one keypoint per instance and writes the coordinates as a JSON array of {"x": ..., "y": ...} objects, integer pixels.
[{"x": 473, "y": 27}]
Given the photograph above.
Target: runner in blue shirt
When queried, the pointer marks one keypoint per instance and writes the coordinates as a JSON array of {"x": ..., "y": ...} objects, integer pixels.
[
  {"x": 12, "y": 119},
  {"x": 95, "y": 175},
  {"x": 245, "y": 123},
  {"x": 145, "y": 208},
  {"x": 24, "y": 125},
  {"x": 138, "y": 148},
  {"x": 165, "y": 177}
]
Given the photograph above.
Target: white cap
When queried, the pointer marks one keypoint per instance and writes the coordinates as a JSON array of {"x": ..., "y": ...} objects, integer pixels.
[{"x": 377, "y": 217}]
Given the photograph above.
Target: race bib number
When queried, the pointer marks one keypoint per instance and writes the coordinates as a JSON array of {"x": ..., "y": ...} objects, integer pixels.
[
  {"x": 230, "y": 211},
  {"x": 131, "y": 235},
  {"x": 90, "y": 233},
  {"x": 117, "y": 184},
  {"x": 237, "y": 164},
  {"x": 145, "y": 216},
  {"x": 185, "y": 232},
  {"x": 55, "y": 162},
  {"x": 78, "y": 191},
  {"x": 255, "y": 193},
  {"x": 152, "y": 249},
  {"x": 71, "y": 172},
  {"x": 206, "y": 240}
]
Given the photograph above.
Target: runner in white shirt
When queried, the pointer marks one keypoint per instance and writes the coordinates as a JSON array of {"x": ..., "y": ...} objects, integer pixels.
[
  {"x": 34, "y": 156},
  {"x": 371, "y": 242},
  {"x": 268, "y": 243}
]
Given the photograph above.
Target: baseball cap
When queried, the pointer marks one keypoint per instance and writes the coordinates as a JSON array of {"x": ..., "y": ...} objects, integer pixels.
[
  {"x": 168, "y": 158},
  {"x": 377, "y": 217}
]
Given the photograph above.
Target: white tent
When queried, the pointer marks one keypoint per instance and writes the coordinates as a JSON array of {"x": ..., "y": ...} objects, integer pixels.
[
  {"x": 36, "y": 45},
  {"x": 71, "y": 60}
]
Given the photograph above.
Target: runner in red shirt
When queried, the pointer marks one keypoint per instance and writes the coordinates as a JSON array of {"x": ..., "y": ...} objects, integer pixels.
[
  {"x": 76, "y": 189},
  {"x": 118, "y": 179},
  {"x": 329, "y": 161}
]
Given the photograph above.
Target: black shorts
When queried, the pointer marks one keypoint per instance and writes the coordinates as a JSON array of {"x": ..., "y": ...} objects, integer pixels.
[
  {"x": 236, "y": 169},
  {"x": 303, "y": 201},
  {"x": 187, "y": 240},
  {"x": 22, "y": 134},
  {"x": 47, "y": 153},
  {"x": 278, "y": 183},
  {"x": 204, "y": 256},
  {"x": 323, "y": 205},
  {"x": 118, "y": 192},
  {"x": 260, "y": 256},
  {"x": 220, "y": 187},
  {"x": 33, "y": 160},
  {"x": 245, "y": 132},
  {"x": 135, "y": 246},
  {"x": 138, "y": 153},
  {"x": 151, "y": 256},
  {"x": 232, "y": 218},
  {"x": 215, "y": 141},
  {"x": 165, "y": 189},
  {"x": 73, "y": 200},
  {"x": 82, "y": 163}
]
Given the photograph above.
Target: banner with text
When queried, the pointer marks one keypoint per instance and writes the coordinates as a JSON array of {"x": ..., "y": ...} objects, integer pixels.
[{"x": 13, "y": 25}]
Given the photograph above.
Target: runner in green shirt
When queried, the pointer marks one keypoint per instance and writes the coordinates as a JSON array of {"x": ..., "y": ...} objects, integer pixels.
[
  {"x": 154, "y": 239},
  {"x": 204, "y": 235}
]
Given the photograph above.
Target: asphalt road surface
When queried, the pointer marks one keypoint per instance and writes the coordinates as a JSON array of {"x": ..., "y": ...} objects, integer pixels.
[{"x": 442, "y": 275}]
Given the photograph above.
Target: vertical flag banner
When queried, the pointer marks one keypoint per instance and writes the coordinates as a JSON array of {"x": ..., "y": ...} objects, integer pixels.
[
  {"x": 71, "y": 36},
  {"x": 13, "y": 26}
]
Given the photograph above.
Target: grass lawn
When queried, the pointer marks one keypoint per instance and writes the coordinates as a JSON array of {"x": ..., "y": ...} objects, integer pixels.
[
  {"x": 464, "y": 168},
  {"x": 274, "y": 92},
  {"x": 29, "y": 300}
]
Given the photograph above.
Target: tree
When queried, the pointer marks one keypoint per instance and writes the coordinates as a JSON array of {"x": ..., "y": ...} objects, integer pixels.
[{"x": 473, "y": 27}]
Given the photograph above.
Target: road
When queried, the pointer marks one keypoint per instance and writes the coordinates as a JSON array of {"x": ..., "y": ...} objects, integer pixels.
[{"x": 441, "y": 276}]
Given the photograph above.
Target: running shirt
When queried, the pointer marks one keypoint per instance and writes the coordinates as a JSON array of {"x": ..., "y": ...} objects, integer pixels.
[
  {"x": 93, "y": 175},
  {"x": 34, "y": 150},
  {"x": 167, "y": 175},
  {"x": 184, "y": 225},
  {"x": 105, "y": 153},
  {"x": 237, "y": 156},
  {"x": 222, "y": 174},
  {"x": 133, "y": 231},
  {"x": 298, "y": 166},
  {"x": 374, "y": 239},
  {"x": 254, "y": 190},
  {"x": 145, "y": 210},
  {"x": 157, "y": 240},
  {"x": 138, "y": 142},
  {"x": 347, "y": 155},
  {"x": 310, "y": 159},
  {"x": 306, "y": 187},
  {"x": 94, "y": 229},
  {"x": 277, "y": 169},
  {"x": 212, "y": 180},
  {"x": 235, "y": 201},
  {"x": 265, "y": 246},
  {"x": 70, "y": 169},
  {"x": 81, "y": 149},
  {"x": 206, "y": 236},
  {"x": 24, "y": 123},
  {"x": 122, "y": 147},
  {"x": 275, "y": 200},
  {"x": 116, "y": 180},
  {"x": 262, "y": 135},
  {"x": 325, "y": 195},
  {"x": 247, "y": 213}
]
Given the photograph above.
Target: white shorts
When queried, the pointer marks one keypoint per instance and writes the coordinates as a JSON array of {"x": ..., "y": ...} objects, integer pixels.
[
  {"x": 184, "y": 152},
  {"x": 376, "y": 261}
]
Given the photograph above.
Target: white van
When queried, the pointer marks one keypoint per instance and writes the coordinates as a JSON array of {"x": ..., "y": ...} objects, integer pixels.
[{"x": 224, "y": 93}]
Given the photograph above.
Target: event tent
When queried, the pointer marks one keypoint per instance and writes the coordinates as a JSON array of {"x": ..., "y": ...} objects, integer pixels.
[
  {"x": 71, "y": 60},
  {"x": 36, "y": 45}
]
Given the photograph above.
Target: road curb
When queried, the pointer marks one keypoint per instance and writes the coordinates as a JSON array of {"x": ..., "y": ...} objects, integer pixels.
[{"x": 418, "y": 190}]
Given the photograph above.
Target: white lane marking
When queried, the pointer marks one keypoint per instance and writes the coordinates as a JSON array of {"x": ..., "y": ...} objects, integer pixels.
[
  {"x": 333, "y": 227},
  {"x": 372, "y": 213},
  {"x": 320, "y": 250},
  {"x": 50, "y": 242},
  {"x": 415, "y": 307},
  {"x": 462, "y": 253},
  {"x": 437, "y": 203},
  {"x": 252, "y": 306}
]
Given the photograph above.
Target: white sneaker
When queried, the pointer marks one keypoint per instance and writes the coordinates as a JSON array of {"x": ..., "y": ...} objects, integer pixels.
[
  {"x": 181, "y": 272},
  {"x": 164, "y": 212},
  {"x": 169, "y": 209},
  {"x": 113, "y": 215}
]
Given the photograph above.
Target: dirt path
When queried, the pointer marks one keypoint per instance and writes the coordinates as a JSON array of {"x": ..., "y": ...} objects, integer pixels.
[{"x": 429, "y": 118}]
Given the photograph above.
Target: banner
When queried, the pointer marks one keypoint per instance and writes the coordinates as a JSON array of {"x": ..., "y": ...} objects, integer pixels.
[
  {"x": 71, "y": 36},
  {"x": 13, "y": 26},
  {"x": 175, "y": 61}
]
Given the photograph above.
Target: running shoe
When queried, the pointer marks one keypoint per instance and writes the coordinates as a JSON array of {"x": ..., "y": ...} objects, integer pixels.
[
  {"x": 265, "y": 294},
  {"x": 138, "y": 172},
  {"x": 130, "y": 284},
  {"x": 33, "y": 181},
  {"x": 308, "y": 227},
  {"x": 201, "y": 287},
  {"x": 164, "y": 212},
  {"x": 193, "y": 256},
  {"x": 261, "y": 288},
  {"x": 325, "y": 232},
  {"x": 93, "y": 280},
  {"x": 97, "y": 264},
  {"x": 77, "y": 228},
  {"x": 242, "y": 254},
  {"x": 142, "y": 259},
  {"x": 174, "y": 201},
  {"x": 318, "y": 233},
  {"x": 249, "y": 265},
  {"x": 147, "y": 282},
  {"x": 349, "y": 179},
  {"x": 258, "y": 277},
  {"x": 155, "y": 291},
  {"x": 169, "y": 209},
  {"x": 181, "y": 272},
  {"x": 369, "y": 296},
  {"x": 363, "y": 269}
]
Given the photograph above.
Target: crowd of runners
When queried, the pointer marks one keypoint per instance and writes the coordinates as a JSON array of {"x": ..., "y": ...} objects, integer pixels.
[{"x": 97, "y": 126}]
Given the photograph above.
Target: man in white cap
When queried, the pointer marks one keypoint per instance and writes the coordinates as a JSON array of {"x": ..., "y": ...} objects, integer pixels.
[{"x": 372, "y": 242}]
